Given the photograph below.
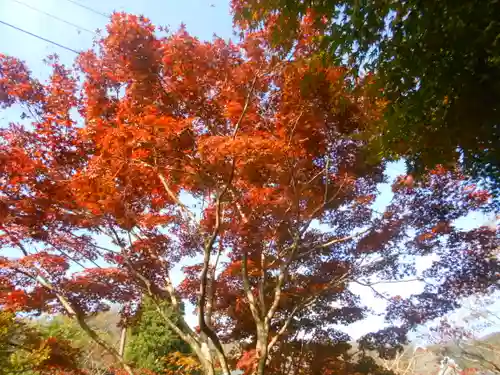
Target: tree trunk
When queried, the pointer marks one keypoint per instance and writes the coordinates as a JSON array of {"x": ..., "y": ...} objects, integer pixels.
[
  {"x": 123, "y": 341},
  {"x": 207, "y": 360},
  {"x": 262, "y": 340}
]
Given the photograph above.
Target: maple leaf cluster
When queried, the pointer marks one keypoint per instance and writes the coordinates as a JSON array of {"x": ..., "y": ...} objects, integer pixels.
[{"x": 98, "y": 184}]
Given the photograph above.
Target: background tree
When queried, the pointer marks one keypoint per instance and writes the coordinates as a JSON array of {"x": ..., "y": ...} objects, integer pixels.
[
  {"x": 92, "y": 356},
  {"x": 271, "y": 150},
  {"x": 438, "y": 64},
  {"x": 151, "y": 340},
  {"x": 24, "y": 351}
]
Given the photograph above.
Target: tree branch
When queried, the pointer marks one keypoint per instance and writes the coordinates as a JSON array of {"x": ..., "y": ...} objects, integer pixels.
[
  {"x": 16, "y": 241},
  {"x": 204, "y": 327},
  {"x": 395, "y": 281},
  {"x": 283, "y": 328},
  {"x": 281, "y": 280},
  {"x": 262, "y": 281},
  {"x": 169, "y": 191},
  {"x": 248, "y": 292},
  {"x": 308, "y": 302},
  {"x": 211, "y": 288},
  {"x": 319, "y": 208},
  {"x": 330, "y": 243},
  {"x": 174, "y": 197},
  {"x": 373, "y": 289},
  {"x": 245, "y": 107}
]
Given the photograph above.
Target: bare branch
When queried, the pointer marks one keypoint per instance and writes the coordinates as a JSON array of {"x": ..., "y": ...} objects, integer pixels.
[
  {"x": 319, "y": 208},
  {"x": 208, "y": 249},
  {"x": 281, "y": 280},
  {"x": 372, "y": 288},
  {"x": 308, "y": 302},
  {"x": 262, "y": 281},
  {"x": 248, "y": 292},
  {"x": 204, "y": 327},
  {"x": 169, "y": 191},
  {"x": 174, "y": 197},
  {"x": 326, "y": 179},
  {"x": 395, "y": 281},
  {"x": 294, "y": 126},
  {"x": 283, "y": 328},
  {"x": 330, "y": 243},
  {"x": 211, "y": 288},
  {"x": 186, "y": 336},
  {"x": 245, "y": 107},
  {"x": 71, "y": 258},
  {"x": 16, "y": 241}
]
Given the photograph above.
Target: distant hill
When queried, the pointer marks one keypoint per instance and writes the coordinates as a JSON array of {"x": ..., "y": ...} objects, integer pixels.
[
  {"x": 492, "y": 338},
  {"x": 414, "y": 360},
  {"x": 481, "y": 354}
]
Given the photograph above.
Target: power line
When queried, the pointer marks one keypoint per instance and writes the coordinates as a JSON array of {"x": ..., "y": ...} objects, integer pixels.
[
  {"x": 89, "y": 9},
  {"x": 40, "y": 37},
  {"x": 53, "y": 16}
]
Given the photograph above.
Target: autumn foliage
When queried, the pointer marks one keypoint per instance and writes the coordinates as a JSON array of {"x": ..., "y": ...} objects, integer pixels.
[
  {"x": 24, "y": 349},
  {"x": 158, "y": 147}
]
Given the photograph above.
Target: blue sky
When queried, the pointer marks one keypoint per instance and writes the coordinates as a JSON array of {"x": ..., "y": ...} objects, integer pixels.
[{"x": 203, "y": 18}]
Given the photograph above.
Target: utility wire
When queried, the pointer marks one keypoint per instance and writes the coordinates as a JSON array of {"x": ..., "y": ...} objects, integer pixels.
[
  {"x": 40, "y": 37},
  {"x": 89, "y": 9},
  {"x": 54, "y": 17}
]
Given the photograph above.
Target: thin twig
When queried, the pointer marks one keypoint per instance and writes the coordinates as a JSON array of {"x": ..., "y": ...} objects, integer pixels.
[
  {"x": 245, "y": 107},
  {"x": 373, "y": 289}
]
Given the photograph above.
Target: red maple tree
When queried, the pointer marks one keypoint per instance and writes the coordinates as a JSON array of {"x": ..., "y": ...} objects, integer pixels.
[{"x": 157, "y": 148}]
